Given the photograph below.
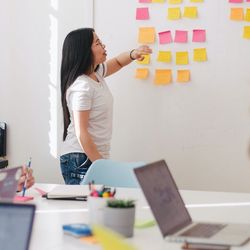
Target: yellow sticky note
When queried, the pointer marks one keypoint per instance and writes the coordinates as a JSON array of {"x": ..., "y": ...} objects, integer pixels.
[
  {"x": 181, "y": 57},
  {"x": 196, "y": 1},
  {"x": 174, "y": 1},
  {"x": 141, "y": 73},
  {"x": 237, "y": 14},
  {"x": 146, "y": 35},
  {"x": 200, "y": 55},
  {"x": 174, "y": 13},
  {"x": 190, "y": 12},
  {"x": 146, "y": 60},
  {"x": 163, "y": 76},
  {"x": 164, "y": 56},
  {"x": 158, "y": 1},
  {"x": 247, "y": 15},
  {"x": 183, "y": 75},
  {"x": 246, "y": 32},
  {"x": 110, "y": 240}
]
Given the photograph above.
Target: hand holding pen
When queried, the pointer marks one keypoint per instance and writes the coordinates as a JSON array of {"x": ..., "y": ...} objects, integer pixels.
[{"x": 26, "y": 176}]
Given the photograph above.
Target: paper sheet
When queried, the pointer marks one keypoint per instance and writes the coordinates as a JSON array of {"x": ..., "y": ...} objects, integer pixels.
[
  {"x": 163, "y": 76},
  {"x": 141, "y": 73},
  {"x": 174, "y": 13},
  {"x": 183, "y": 75},
  {"x": 190, "y": 12},
  {"x": 200, "y": 55},
  {"x": 146, "y": 35},
  {"x": 165, "y": 37},
  {"x": 181, "y": 36},
  {"x": 237, "y": 14},
  {"x": 181, "y": 58},
  {"x": 164, "y": 56}
]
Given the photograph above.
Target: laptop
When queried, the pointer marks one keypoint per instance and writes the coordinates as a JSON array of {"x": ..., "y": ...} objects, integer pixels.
[
  {"x": 16, "y": 221},
  {"x": 9, "y": 178},
  {"x": 173, "y": 218}
]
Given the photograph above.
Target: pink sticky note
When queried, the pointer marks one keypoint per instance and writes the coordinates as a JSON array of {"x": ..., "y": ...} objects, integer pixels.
[
  {"x": 235, "y": 1},
  {"x": 23, "y": 198},
  {"x": 145, "y": 1},
  {"x": 165, "y": 37},
  {"x": 40, "y": 191},
  {"x": 199, "y": 36},
  {"x": 181, "y": 36},
  {"x": 142, "y": 13}
]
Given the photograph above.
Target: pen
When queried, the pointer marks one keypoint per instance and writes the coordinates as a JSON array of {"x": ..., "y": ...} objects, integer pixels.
[{"x": 26, "y": 177}]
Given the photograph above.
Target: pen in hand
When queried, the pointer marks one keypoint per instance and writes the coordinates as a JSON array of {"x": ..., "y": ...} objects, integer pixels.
[{"x": 26, "y": 177}]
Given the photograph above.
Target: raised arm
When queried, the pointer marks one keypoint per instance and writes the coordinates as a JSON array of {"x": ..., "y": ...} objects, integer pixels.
[{"x": 116, "y": 63}]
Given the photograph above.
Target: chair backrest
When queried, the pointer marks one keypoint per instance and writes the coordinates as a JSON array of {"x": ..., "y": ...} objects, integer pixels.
[{"x": 112, "y": 173}]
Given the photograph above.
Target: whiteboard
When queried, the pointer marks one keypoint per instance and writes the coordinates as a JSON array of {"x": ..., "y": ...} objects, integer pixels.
[{"x": 201, "y": 129}]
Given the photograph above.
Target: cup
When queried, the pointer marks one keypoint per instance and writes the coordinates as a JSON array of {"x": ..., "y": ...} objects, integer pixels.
[{"x": 96, "y": 207}]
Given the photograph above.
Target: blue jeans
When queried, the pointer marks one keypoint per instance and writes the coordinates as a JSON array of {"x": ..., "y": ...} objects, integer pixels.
[{"x": 74, "y": 167}]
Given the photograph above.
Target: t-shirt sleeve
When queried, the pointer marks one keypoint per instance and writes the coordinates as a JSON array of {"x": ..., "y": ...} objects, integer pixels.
[
  {"x": 102, "y": 69},
  {"x": 79, "y": 96}
]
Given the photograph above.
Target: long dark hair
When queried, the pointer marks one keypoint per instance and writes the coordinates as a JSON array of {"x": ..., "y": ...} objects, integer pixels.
[{"x": 77, "y": 59}]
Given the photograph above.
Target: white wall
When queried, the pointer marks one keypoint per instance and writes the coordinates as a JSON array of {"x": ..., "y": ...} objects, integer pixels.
[
  {"x": 201, "y": 129},
  {"x": 32, "y": 33}
]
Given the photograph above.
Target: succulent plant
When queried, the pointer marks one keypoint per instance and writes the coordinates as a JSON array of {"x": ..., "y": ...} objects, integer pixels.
[{"x": 119, "y": 203}]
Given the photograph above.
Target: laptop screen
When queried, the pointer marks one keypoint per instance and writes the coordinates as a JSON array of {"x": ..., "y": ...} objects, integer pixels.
[
  {"x": 16, "y": 222},
  {"x": 163, "y": 197},
  {"x": 8, "y": 182}
]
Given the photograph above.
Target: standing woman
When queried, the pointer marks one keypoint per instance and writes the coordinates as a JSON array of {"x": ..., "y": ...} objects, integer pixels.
[{"x": 87, "y": 101}]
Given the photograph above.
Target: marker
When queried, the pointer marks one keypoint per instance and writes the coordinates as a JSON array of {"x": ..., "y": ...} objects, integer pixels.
[{"x": 26, "y": 177}]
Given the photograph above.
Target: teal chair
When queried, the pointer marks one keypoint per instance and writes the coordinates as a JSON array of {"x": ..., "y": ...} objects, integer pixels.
[{"x": 112, "y": 173}]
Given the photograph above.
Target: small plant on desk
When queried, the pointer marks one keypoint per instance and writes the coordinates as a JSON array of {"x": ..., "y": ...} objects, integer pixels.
[
  {"x": 116, "y": 203},
  {"x": 119, "y": 215}
]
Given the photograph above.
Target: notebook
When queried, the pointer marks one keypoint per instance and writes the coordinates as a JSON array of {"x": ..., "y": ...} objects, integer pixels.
[
  {"x": 67, "y": 192},
  {"x": 173, "y": 218},
  {"x": 16, "y": 221},
  {"x": 9, "y": 178}
]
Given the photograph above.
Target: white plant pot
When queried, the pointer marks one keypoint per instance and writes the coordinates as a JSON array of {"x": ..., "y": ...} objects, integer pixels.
[{"x": 120, "y": 220}]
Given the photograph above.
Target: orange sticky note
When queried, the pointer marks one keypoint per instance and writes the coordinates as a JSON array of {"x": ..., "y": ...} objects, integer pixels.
[
  {"x": 141, "y": 73},
  {"x": 181, "y": 58},
  {"x": 146, "y": 35},
  {"x": 237, "y": 14},
  {"x": 164, "y": 56},
  {"x": 183, "y": 75},
  {"x": 246, "y": 32},
  {"x": 174, "y": 13},
  {"x": 190, "y": 12},
  {"x": 163, "y": 76},
  {"x": 200, "y": 55}
]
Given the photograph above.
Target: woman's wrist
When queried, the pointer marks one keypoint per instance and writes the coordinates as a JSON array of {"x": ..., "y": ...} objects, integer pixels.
[{"x": 131, "y": 56}]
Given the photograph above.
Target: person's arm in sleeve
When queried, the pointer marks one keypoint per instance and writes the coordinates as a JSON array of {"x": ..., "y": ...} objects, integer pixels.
[
  {"x": 116, "y": 63},
  {"x": 26, "y": 173},
  {"x": 81, "y": 121}
]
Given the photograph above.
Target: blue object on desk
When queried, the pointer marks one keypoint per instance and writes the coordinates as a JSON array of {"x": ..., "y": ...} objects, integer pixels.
[{"x": 77, "y": 230}]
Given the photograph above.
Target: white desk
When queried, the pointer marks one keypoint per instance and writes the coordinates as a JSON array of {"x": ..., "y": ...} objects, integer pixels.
[{"x": 204, "y": 206}]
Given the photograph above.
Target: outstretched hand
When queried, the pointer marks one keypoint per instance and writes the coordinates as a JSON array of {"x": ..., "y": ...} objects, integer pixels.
[{"x": 140, "y": 52}]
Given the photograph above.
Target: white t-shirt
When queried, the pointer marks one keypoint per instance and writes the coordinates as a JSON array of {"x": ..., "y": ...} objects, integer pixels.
[{"x": 88, "y": 94}]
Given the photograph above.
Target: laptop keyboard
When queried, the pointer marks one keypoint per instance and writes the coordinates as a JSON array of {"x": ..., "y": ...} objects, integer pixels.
[{"x": 202, "y": 230}]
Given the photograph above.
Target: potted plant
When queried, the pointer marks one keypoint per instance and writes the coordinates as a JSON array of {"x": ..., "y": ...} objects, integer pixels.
[{"x": 119, "y": 215}]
